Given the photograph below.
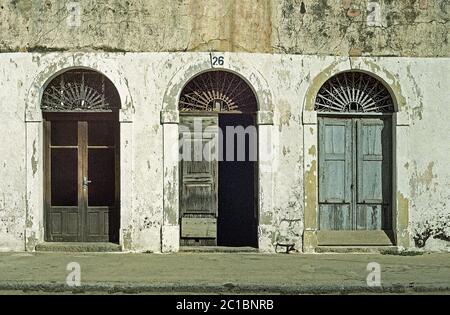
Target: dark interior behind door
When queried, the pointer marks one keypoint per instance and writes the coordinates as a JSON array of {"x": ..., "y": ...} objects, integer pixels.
[{"x": 237, "y": 220}]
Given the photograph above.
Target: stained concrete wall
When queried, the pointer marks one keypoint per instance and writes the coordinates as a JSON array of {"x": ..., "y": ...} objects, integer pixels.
[
  {"x": 13, "y": 201},
  {"x": 415, "y": 28},
  {"x": 421, "y": 86}
]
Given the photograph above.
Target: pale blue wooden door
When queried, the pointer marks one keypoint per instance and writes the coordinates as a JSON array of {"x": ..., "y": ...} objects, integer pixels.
[
  {"x": 373, "y": 174},
  {"x": 335, "y": 174},
  {"x": 354, "y": 174}
]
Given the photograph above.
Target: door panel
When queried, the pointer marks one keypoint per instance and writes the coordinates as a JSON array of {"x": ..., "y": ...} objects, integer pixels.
[
  {"x": 335, "y": 174},
  {"x": 101, "y": 133},
  {"x": 98, "y": 224},
  {"x": 369, "y": 217},
  {"x": 57, "y": 223},
  {"x": 373, "y": 162},
  {"x": 370, "y": 161},
  {"x": 64, "y": 133},
  {"x": 64, "y": 176},
  {"x": 198, "y": 198},
  {"x": 198, "y": 182},
  {"x": 101, "y": 173},
  {"x": 335, "y": 217},
  {"x": 64, "y": 224},
  {"x": 199, "y": 175},
  {"x": 62, "y": 154}
]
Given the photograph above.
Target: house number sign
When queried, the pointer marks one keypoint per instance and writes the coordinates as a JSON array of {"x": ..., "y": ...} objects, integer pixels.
[{"x": 217, "y": 61}]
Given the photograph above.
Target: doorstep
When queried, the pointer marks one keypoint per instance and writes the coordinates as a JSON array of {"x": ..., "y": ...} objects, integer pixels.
[
  {"x": 356, "y": 249},
  {"x": 78, "y": 247},
  {"x": 217, "y": 249}
]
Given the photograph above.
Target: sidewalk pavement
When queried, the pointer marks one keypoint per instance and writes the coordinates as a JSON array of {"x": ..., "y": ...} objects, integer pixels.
[{"x": 223, "y": 273}]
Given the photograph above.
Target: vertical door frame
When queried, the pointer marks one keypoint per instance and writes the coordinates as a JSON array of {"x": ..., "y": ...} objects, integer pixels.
[
  {"x": 82, "y": 172},
  {"x": 47, "y": 181}
]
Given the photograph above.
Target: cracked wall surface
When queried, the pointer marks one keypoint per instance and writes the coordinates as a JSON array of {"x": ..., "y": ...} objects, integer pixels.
[{"x": 416, "y": 28}]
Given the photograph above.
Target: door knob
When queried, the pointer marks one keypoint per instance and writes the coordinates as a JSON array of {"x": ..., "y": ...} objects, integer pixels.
[{"x": 86, "y": 182}]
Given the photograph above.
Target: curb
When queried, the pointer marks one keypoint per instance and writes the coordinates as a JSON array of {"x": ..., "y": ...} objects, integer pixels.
[{"x": 228, "y": 288}]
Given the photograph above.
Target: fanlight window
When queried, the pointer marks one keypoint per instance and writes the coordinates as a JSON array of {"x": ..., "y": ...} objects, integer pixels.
[
  {"x": 354, "y": 92},
  {"x": 80, "y": 90},
  {"x": 217, "y": 91}
]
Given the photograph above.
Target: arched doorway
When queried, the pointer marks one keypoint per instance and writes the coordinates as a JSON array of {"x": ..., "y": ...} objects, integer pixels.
[
  {"x": 218, "y": 161},
  {"x": 81, "y": 152},
  {"x": 355, "y": 158}
]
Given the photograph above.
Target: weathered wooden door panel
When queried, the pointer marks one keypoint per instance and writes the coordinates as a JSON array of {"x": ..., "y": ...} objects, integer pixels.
[
  {"x": 101, "y": 174},
  {"x": 198, "y": 227},
  {"x": 62, "y": 197},
  {"x": 335, "y": 173},
  {"x": 369, "y": 217},
  {"x": 355, "y": 174},
  {"x": 335, "y": 217},
  {"x": 98, "y": 224},
  {"x": 198, "y": 182},
  {"x": 373, "y": 175},
  {"x": 64, "y": 224},
  {"x": 81, "y": 178}
]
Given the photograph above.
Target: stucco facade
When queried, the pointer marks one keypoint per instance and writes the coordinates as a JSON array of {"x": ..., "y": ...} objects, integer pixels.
[
  {"x": 149, "y": 84},
  {"x": 284, "y": 65}
]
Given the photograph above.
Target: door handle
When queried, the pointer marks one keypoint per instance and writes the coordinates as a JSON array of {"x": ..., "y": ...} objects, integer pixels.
[{"x": 86, "y": 182}]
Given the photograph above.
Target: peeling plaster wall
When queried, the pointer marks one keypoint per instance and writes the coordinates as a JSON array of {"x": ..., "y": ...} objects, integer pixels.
[
  {"x": 14, "y": 82},
  {"x": 421, "y": 84},
  {"x": 415, "y": 28},
  {"x": 429, "y": 154}
]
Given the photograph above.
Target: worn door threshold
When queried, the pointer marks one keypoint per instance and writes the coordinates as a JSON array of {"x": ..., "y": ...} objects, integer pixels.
[
  {"x": 356, "y": 249},
  {"x": 78, "y": 247},
  {"x": 217, "y": 249}
]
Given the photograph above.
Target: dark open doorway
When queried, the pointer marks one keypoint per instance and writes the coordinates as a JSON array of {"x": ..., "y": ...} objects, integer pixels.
[
  {"x": 218, "y": 198},
  {"x": 237, "y": 218}
]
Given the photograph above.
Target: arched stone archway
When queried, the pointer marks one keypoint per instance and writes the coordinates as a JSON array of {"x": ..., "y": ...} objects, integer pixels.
[
  {"x": 234, "y": 65},
  {"x": 82, "y": 158},
  {"x": 311, "y": 149},
  {"x": 49, "y": 69},
  {"x": 218, "y": 198},
  {"x": 170, "y": 118}
]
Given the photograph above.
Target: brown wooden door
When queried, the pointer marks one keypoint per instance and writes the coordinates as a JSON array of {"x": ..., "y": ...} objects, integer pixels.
[
  {"x": 198, "y": 179},
  {"x": 82, "y": 178}
]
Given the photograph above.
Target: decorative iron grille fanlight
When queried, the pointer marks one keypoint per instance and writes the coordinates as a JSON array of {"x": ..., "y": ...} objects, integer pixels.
[
  {"x": 354, "y": 92},
  {"x": 79, "y": 90},
  {"x": 217, "y": 91}
]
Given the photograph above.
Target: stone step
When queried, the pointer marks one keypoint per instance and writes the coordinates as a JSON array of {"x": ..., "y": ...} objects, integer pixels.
[
  {"x": 357, "y": 249},
  {"x": 78, "y": 247},
  {"x": 217, "y": 249}
]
